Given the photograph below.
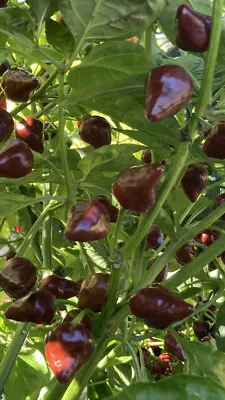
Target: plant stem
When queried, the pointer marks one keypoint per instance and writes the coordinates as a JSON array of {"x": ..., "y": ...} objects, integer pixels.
[
  {"x": 62, "y": 141},
  {"x": 47, "y": 233},
  {"x": 12, "y": 352}
]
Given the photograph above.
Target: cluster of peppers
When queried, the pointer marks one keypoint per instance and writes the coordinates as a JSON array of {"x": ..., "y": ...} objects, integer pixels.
[{"x": 70, "y": 344}]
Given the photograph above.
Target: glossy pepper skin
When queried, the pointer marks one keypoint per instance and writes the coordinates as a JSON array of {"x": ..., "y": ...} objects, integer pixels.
[
  {"x": 18, "y": 277},
  {"x": 214, "y": 145},
  {"x": 172, "y": 347},
  {"x": 19, "y": 84},
  {"x": 202, "y": 330},
  {"x": 61, "y": 288},
  {"x": 112, "y": 210},
  {"x": 220, "y": 200},
  {"x": 167, "y": 91},
  {"x": 134, "y": 188},
  {"x": 159, "y": 307},
  {"x": 31, "y": 132},
  {"x": 208, "y": 237},
  {"x": 162, "y": 275},
  {"x": 146, "y": 156},
  {"x": 93, "y": 292},
  {"x": 86, "y": 321},
  {"x": 67, "y": 348},
  {"x": 16, "y": 159},
  {"x": 96, "y": 131},
  {"x": 186, "y": 254},
  {"x": 6, "y": 125},
  {"x": 193, "y": 29},
  {"x": 4, "y": 66},
  {"x": 154, "y": 238},
  {"x": 36, "y": 307},
  {"x": 194, "y": 181},
  {"x": 87, "y": 221}
]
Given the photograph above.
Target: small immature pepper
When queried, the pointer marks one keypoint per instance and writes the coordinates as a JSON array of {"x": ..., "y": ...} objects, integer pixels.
[
  {"x": 18, "y": 84},
  {"x": 31, "y": 132},
  {"x": 6, "y": 125},
  {"x": 194, "y": 181},
  {"x": 146, "y": 156},
  {"x": 61, "y": 288},
  {"x": 93, "y": 292},
  {"x": 159, "y": 307},
  {"x": 168, "y": 89},
  {"x": 154, "y": 238},
  {"x": 37, "y": 307},
  {"x": 18, "y": 277},
  {"x": 172, "y": 347},
  {"x": 96, "y": 131},
  {"x": 67, "y": 348},
  {"x": 16, "y": 159},
  {"x": 202, "y": 330},
  {"x": 193, "y": 29},
  {"x": 214, "y": 145},
  {"x": 87, "y": 221},
  {"x": 112, "y": 210},
  {"x": 134, "y": 188}
]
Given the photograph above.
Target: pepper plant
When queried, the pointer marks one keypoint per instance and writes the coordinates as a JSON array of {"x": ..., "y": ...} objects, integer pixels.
[{"x": 112, "y": 149}]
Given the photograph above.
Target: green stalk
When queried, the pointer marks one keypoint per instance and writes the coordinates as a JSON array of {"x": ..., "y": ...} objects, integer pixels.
[
  {"x": 62, "y": 141},
  {"x": 12, "y": 352},
  {"x": 47, "y": 233}
]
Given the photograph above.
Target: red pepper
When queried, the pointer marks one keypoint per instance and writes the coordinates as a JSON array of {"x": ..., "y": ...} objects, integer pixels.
[
  {"x": 16, "y": 159},
  {"x": 31, "y": 131},
  {"x": 37, "y": 307},
  {"x": 87, "y": 221},
  {"x": 168, "y": 90},
  {"x": 67, "y": 348},
  {"x": 159, "y": 307},
  {"x": 60, "y": 287},
  {"x": 93, "y": 292},
  {"x": 134, "y": 188},
  {"x": 18, "y": 277}
]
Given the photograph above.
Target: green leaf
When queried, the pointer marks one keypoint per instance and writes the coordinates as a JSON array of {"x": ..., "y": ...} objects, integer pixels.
[
  {"x": 120, "y": 154},
  {"x": 42, "y": 9},
  {"x": 174, "y": 388},
  {"x": 108, "y": 19},
  {"x": 204, "y": 360},
  {"x": 17, "y": 23},
  {"x": 107, "y": 63},
  {"x": 59, "y": 36}
]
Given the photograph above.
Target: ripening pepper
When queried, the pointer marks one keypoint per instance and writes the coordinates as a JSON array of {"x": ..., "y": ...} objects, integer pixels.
[
  {"x": 96, "y": 131},
  {"x": 19, "y": 84},
  {"x": 172, "y": 347},
  {"x": 93, "y": 291},
  {"x": 61, "y": 288},
  {"x": 16, "y": 159},
  {"x": 194, "y": 181},
  {"x": 6, "y": 125},
  {"x": 30, "y": 130}
]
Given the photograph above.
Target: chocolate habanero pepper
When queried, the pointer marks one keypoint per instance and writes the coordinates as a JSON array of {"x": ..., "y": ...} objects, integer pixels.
[
  {"x": 87, "y": 221},
  {"x": 86, "y": 321},
  {"x": 154, "y": 238},
  {"x": 193, "y": 29},
  {"x": 112, "y": 210},
  {"x": 37, "y": 307},
  {"x": 186, "y": 254},
  {"x": 16, "y": 159},
  {"x": 96, "y": 131},
  {"x": 159, "y": 307},
  {"x": 202, "y": 330},
  {"x": 6, "y": 125},
  {"x": 19, "y": 84},
  {"x": 18, "y": 277},
  {"x": 31, "y": 132},
  {"x": 208, "y": 237},
  {"x": 146, "y": 156},
  {"x": 172, "y": 347},
  {"x": 135, "y": 187},
  {"x": 93, "y": 291},
  {"x": 167, "y": 91},
  {"x": 194, "y": 181},
  {"x": 67, "y": 348},
  {"x": 4, "y": 67},
  {"x": 214, "y": 145},
  {"x": 61, "y": 288}
]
